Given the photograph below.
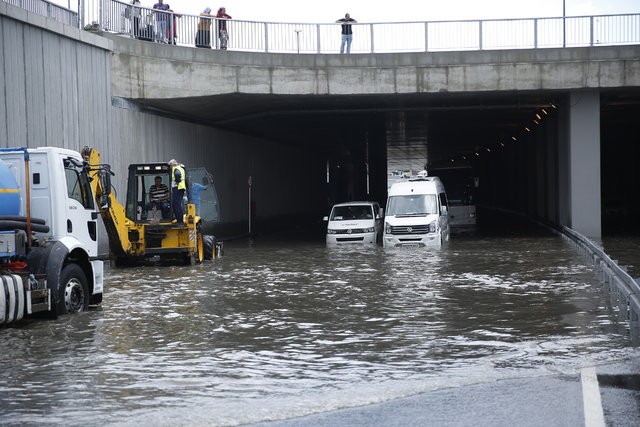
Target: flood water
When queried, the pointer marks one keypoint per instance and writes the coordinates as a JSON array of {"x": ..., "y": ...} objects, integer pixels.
[{"x": 284, "y": 327}]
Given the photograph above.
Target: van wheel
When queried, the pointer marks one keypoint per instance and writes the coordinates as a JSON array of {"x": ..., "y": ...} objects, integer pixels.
[{"x": 73, "y": 291}]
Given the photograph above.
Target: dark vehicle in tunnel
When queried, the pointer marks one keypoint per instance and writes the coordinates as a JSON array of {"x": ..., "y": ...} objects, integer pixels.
[{"x": 460, "y": 183}]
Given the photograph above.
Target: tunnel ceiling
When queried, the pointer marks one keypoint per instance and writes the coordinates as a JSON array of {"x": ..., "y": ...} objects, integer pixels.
[{"x": 453, "y": 123}]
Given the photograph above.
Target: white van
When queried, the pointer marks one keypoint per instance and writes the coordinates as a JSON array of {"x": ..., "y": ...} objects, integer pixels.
[
  {"x": 354, "y": 223},
  {"x": 417, "y": 213}
]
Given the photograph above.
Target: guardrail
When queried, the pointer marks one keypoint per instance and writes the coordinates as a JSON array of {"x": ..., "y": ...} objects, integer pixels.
[
  {"x": 50, "y": 10},
  {"x": 623, "y": 290},
  {"x": 252, "y": 36}
]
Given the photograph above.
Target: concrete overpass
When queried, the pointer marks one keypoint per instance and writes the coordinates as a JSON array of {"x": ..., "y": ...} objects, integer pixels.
[
  {"x": 375, "y": 109},
  {"x": 286, "y": 120}
]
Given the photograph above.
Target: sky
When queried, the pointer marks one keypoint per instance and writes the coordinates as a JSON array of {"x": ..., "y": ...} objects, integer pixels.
[{"x": 370, "y": 11}]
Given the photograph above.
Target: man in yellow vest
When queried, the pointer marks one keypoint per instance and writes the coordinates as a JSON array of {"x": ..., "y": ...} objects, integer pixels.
[{"x": 178, "y": 188}]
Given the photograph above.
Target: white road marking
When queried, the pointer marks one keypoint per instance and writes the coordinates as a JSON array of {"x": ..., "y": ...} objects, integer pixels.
[{"x": 593, "y": 414}]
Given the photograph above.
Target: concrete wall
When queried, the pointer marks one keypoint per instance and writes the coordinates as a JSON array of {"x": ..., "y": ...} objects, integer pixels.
[
  {"x": 584, "y": 162},
  {"x": 56, "y": 83},
  {"x": 150, "y": 70},
  {"x": 56, "y": 91}
]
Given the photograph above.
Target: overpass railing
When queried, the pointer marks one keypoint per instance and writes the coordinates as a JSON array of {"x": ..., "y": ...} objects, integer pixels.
[
  {"x": 252, "y": 36},
  {"x": 48, "y": 9}
]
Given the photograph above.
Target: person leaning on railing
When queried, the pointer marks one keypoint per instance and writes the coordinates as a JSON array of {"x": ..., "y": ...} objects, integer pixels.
[
  {"x": 135, "y": 16},
  {"x": 347, "y": 32},
  {"x": 222, "y": 27},
  {"x": 203, "y": 35}
]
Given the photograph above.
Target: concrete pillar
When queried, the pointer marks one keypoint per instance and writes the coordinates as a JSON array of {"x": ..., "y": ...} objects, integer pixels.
[{"x": 583, "y": 157}]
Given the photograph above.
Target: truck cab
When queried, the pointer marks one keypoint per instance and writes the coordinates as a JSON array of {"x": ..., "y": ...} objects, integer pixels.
[{"x": 57, "y": 218}]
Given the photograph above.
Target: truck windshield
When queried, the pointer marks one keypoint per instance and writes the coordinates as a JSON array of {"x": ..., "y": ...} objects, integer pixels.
[{"x": 419, "y": 204}]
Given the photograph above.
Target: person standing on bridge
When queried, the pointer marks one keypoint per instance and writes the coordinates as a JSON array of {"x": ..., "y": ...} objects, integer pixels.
[
  {"x": 203, "y": 36},
  {"x": 347, "y": 33},
  {"x": 222, "y": 27},
  {"x": 162, "y": 19}
]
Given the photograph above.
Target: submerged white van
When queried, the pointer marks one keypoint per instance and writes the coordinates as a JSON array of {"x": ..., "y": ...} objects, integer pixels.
[
  {"x": 354, "y": 223},
  {"x": 416, "y": 213}
]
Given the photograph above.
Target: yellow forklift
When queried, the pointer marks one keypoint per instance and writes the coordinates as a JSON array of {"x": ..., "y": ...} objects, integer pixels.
[{"x": 139, "y": 232}]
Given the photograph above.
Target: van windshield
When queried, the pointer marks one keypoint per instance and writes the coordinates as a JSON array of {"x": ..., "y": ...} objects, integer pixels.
[
  {"x": 418, "y": 204},
  {"x": 346, "y": 213}
]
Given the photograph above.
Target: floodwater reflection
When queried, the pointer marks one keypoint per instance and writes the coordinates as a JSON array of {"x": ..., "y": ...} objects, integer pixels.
[{"x": 274, "y": 330}]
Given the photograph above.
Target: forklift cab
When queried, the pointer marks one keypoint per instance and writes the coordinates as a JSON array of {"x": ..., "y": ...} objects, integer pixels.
[{"x": 141, "y": 178}]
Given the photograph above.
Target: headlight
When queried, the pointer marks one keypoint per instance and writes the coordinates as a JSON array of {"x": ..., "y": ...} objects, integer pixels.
[
  {"x": 369, "y": 230},
  {"x": 432, "y": 227},
  {"x": 330, "y": 231},
  {"x": 387, "y": 228}
]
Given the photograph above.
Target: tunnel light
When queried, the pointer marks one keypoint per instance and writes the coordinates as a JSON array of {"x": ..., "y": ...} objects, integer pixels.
[
  {"x": 514, "y": 138},
  {"x": 502, "y": 144},
  {"x": 488, "y": 150},
  {"x": 527, "y": 129},
  {"x": 553, "y": 106},
  {"x": 536, "y": 122},
  {"x": 478, "y": 154},
  {"x": 538, "y": 116},
  {"x": 545, "y": 112}
]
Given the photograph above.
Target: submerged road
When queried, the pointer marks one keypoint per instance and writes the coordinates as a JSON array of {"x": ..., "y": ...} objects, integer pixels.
[{"x": 497, "y": 328}]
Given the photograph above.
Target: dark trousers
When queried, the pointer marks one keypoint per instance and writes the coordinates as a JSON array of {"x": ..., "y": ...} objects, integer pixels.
[
  {"x": 136, "y": 27},
  {"x": 177, "y": 204},
  {"x": 163, "y": 207},
  {"x": 203, "y": 39}
]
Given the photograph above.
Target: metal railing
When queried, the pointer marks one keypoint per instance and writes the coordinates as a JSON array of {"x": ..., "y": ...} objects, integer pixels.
[
  {"x": 252, "y": 36},
  {"x": 50, "y": 10},
  {"x": 623, "y": 290}
]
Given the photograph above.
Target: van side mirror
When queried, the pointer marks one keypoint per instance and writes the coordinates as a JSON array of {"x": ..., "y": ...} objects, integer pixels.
[
  {"x": 443, "y": 210},
  {"x": 381, "y": 213},
  {"x": 325, "y": 218}
]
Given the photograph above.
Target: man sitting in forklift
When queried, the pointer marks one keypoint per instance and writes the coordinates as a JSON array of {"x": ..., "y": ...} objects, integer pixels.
[{"x": 159, "y": 197}]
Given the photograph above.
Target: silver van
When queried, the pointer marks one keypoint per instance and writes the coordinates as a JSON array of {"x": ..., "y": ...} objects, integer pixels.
[{"x": 354, "y": 223}]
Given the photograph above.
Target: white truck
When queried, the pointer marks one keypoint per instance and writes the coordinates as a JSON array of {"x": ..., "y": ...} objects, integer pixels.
[
  {"x": 48, "y": 234},
  {"x": 416, "y": 213}
]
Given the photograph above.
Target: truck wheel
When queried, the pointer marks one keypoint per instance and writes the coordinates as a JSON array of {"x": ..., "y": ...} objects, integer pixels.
[
  {"x": 209, "y": 247},
  {"x": 11, "y": 298},
  {"x": 73, "y": 290}
]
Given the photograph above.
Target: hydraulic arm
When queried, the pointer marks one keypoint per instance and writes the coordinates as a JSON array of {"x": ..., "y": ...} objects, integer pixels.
[{"x": 112, "y": 212}]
